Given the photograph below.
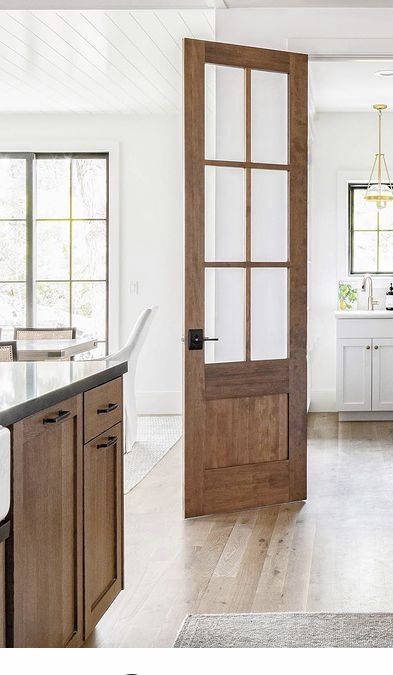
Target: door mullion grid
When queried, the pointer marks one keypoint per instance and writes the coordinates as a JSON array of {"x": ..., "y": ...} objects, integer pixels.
[{"x": 247, "y": 105}]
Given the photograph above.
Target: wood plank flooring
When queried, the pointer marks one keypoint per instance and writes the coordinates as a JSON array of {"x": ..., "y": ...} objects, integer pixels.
[{"x": 332, "y": 553}]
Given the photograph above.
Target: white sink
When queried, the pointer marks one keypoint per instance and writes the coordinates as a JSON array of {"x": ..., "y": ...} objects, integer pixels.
[
  {"x": 365, "y": 314},
  {"x": 5, "y": 472}
]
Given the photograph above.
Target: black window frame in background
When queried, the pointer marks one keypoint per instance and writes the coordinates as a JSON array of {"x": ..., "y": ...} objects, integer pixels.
[
  {"x": 351, "y": 191},
  {"x": 31, "y": 280}
]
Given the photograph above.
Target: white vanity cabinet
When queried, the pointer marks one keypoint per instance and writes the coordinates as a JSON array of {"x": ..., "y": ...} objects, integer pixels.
[{"x": 364, "y": 366}]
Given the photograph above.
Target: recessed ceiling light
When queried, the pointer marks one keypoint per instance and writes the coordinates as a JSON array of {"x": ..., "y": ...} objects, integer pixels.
[{"x": 384, "y": 73}]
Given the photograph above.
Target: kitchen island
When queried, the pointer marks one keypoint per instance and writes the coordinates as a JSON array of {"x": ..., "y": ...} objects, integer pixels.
[{"x": 64, "y": 556}]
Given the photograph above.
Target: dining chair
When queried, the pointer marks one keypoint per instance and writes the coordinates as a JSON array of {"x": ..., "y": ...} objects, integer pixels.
[
  {"x": 8, "y": 351},
  {"x": 44, "y": 333},
  {"x": 130, "y": 353}
]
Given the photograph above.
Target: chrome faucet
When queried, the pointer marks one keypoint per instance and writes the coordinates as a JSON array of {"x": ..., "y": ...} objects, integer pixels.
[{"x": 370, "y": 299}]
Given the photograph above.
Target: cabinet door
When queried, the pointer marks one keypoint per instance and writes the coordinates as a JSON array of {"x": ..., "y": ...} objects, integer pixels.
[
  {"x": 47, "y": 528},
  {"x": 382, "y": 374},
  {"x": 103, "y": 525},
  {"x": 354, "y": 374}
]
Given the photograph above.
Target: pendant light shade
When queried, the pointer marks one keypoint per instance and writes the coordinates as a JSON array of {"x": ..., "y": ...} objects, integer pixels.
[{"x": 379, "y": 189}]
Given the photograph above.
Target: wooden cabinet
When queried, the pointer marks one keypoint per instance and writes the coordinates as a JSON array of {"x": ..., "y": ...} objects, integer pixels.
[
  {"x": 47, "y": 519},
  {"x": 103, "y": 523},
  {"x": 382, "y": 374},
  {"x": 66, "y": 549},
  {"x": 354, "y": 374}
]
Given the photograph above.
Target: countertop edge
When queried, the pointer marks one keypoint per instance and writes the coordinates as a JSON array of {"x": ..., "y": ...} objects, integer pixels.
[{"x": 21, "y": 410}]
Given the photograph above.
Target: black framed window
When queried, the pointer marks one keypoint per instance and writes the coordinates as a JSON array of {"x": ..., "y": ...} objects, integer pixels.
[
  {"x": 370, "y": 234},
  {"x": 54, "y": 242}
]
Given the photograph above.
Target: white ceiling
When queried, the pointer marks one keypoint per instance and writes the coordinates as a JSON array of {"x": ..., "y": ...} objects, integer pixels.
[
  {"x": 95, "y": 61},
  {"x": 345, "y": 86}
]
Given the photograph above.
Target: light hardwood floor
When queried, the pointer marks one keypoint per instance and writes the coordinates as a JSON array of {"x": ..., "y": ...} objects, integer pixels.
[{"x": 332, "y": 553}]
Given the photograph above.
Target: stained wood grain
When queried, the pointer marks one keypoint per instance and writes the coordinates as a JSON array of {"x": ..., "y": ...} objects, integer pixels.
[
  {"x": 96, "y": 401},
  {"x": 47, "y": 529}
]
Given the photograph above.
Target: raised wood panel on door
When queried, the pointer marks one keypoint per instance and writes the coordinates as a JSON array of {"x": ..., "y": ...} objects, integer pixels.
[
  {"x": 245, "y": 432},
  {"x": 47, "y": 530},
  {"x": 103, "y": 523}
]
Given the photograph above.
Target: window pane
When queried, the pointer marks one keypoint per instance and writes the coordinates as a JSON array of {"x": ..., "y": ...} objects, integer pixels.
[
  {"x": 224, "y": 112},
  {"x": 53, "y": 188},
  {"x": 12, "y": 251},
  {"x": 224, "y": 315},
  {"x": 364, "y": 254},
  {"x": 386, "y": 219},
  {"x": 224, "y": 209},
  {"x": 12, "y": 188},
  {"x": 269, "y": 117},
  {"x": 12, "y": 304},
  {"x": 269, "y": 215},
  {"x": 89, "y": 249},
  {"x": 53, "y": 304},
  {"x": 365, "y": 214},
  {"x": 269, "y": 332},
  {"x": 89, "y": 308},
  {"x": 89, "y": 188},
  {"x": 385, "y": 252},
  {"x": 53, "y": 249}
]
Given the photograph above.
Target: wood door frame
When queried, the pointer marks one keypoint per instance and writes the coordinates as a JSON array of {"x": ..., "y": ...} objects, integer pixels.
[{"x": 294, "y": 369}]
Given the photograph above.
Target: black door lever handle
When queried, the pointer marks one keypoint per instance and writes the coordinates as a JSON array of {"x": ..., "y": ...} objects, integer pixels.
[{"x": 196, "y": 339}]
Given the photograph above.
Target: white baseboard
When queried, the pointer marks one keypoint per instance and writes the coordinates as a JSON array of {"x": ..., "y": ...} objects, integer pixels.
[
  {"x": 159, "y": 402},
  {"x": 367, "y": 416},
  {"x": 323, "y": 400}
]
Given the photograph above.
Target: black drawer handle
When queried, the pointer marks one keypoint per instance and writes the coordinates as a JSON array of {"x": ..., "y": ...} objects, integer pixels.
[
  {"x": 61, "y": 415},
  {"x": 109, "y": 408},
  {"x": 111, "y": 441}
]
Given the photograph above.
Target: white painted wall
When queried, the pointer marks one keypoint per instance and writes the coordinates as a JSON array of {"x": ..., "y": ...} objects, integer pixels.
[
  {"x": 150, "y": 227},
  {"x": 343, "y": 149}
]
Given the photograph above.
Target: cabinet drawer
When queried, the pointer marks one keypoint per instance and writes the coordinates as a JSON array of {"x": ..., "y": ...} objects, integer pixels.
[
  {"x": 50, "y": 419},
  {"x": 103, "y": 408}
]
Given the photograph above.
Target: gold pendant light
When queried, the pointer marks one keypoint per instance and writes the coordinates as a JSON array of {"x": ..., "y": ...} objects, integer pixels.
[{"x": 379, "y": 189}]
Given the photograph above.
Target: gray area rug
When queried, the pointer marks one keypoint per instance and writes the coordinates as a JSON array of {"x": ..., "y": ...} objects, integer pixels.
[
  {"x": 156, "y": 435},
  {"x": 286, "y": 630}
]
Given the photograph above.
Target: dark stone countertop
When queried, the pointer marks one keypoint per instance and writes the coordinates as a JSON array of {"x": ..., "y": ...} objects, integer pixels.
[{"x": 28, "y": 387}]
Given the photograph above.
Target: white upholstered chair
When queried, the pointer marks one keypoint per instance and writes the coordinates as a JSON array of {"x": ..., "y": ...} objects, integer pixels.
[{"x": 130, "y": 353}]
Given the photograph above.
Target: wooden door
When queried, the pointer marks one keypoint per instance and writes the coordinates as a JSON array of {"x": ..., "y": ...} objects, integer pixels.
[
  {"x": 47, "y": 528},
  {"x": 245, "y": 276},
  {"x": 103, "y": 517},
  {"x": 382, "y": 387},
  {"x": 353, "y": 370}
]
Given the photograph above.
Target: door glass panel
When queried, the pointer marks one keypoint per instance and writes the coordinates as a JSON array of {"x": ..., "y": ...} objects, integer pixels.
[
  {"x": 224, "y": 112},
  {"x": 224, "y": 315},
  {"x": 269, "y": 215},
  {"x": 269, "y": 117},
  {"x": 224, "y": 214},
  {"x": 269, "y": 334}
]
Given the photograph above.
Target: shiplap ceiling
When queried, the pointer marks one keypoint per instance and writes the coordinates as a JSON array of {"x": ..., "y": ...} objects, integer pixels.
[
  {"x": 95, "y": 61},
  {"x": 186, "y": 4}
]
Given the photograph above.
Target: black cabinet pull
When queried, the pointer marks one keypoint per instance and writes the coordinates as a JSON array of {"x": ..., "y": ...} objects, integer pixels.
[
  {"x": 111, "y": 441},
  {"x": 61, "y": 415},
  {"x": 109, "y": 408}
]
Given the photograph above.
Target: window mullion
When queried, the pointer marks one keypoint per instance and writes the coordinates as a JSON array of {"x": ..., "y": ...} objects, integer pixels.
[{"x": 30, "y": 241}]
